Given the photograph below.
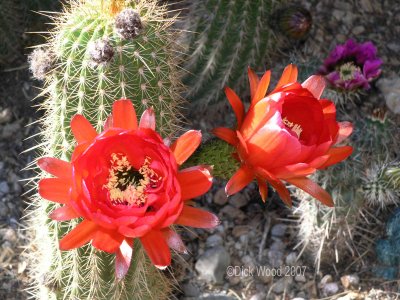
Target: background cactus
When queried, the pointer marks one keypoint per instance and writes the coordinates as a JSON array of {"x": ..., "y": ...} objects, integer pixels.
[
  {"x": 224, "y": 38},
  {"x": 99, "y": 53},
  {"x": 360, "y": 186}
]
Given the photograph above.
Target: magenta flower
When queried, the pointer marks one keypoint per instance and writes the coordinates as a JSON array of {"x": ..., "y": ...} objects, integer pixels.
[{"x": 352, "y": 66}]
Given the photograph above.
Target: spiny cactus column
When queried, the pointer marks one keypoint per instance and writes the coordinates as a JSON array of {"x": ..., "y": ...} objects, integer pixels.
[
  {"x": 100, "y": 51},
  {"x": 224, "y": 38},
  {"x": 360, "y": 185}
]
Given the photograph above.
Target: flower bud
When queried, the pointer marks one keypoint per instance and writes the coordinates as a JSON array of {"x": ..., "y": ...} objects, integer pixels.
[{"x": 128, "y": 24}]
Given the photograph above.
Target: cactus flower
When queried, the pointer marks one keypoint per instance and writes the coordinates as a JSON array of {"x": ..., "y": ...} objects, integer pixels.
[
  {"x": 285, "y": 136},
  {"x": 124, "y": 183},
  {"x": 352, "y": 65}
]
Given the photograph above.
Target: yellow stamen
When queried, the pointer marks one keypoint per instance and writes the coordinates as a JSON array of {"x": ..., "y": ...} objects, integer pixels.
[
  {"x": 296, "y": 128},
  {"x": 127, "y": 190}
]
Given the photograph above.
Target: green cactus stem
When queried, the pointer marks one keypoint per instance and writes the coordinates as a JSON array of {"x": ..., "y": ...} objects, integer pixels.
[{"x": 101, "y": 51}]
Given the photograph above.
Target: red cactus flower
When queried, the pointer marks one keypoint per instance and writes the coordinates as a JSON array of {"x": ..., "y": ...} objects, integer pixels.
[
  {"x": 286, "y": 135},
  {"x": 125, "y": 184}
]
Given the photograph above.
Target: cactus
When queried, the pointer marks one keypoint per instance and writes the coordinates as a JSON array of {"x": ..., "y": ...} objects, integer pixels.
[
  {"x": 100, "y": 51},
  {"x": 360, "y": 185},
  {"x": 224, "y": 38}
]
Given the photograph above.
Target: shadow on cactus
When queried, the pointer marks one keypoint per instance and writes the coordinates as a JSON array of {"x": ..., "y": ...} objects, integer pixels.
[{"x": 97, "y": 52}]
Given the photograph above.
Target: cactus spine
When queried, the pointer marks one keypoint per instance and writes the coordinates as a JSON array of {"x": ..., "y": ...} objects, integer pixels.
[
  {"x": 225, "y": 37},
  {"x": 97, "y": 61}
]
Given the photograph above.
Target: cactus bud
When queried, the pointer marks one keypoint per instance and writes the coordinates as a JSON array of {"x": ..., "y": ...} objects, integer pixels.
[
  {"x": 128, "y": 24},
  {"x": 294, "y": 21},
  {"x": 40, "y": 63},
  {"x": 101, "y": 52}
]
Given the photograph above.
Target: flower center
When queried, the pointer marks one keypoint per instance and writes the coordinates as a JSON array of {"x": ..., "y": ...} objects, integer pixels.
[
  {"x": 126, "y": 185},
  {"x": 347, "y": 71},
  {"x": 296, "y": 128}
]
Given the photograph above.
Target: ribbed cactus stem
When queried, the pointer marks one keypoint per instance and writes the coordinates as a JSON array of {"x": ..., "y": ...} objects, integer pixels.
[
  {"x": 224, "y": 38},
  {"x": 94, "y": 66}
]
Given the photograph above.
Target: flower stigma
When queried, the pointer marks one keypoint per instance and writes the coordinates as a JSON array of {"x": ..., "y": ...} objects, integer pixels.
[{"x": 126, "y": 185}]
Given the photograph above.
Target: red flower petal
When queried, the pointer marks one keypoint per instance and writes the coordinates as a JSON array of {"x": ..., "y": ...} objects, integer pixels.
[
  {"x": 64, "y": 213},
  {"x": 253, "y": 79},
  {"x": 236, "y": 104},
  {"x": 148, "y": 119},
  {"x": 257, "y": 116},
  {"x": 55, "y": 167},
  {"x": 123, "y": 259},
  {"x": 289, "y": 75},
  {"x": 328, "y": 107},
  {"x": 157, "y": 249},
  {"x": 79, "y": 236},
  {"x": 345, "y": 129},
  {"x": 197, "y": 218},
  {"x": 318, "y": 161},
  {"x": 194, "y": 181},
  {"x": 107, "y": 240},
  {"x": 185, "y": 145},
  {"x": 337, "y": 155},
  {"x": 239, "y": 180},
  {"x": 108, "y": 123},
  {"x": 55, "y": 189},
  {"x": 242, "y": 143},
  {"x": 263, "y": 189},
  {"x": 79, "y": 149},
  {"x": 226, "y": 134},
  {"x": 313, "y": 189},
  {"x": 174, "y": 240},
  {"x": 296, "y": 170},
  {"x": 124, "y": 115},
  {"x": 134, "y": 232},
  {"x": 277, "y": 185},
  {"x": 82, "y": 130},
  {"x": 262, "y": 88},
  {"x": 315, "y": 84}
]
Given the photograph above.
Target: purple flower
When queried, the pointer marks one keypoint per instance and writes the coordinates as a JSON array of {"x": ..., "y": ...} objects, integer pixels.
[{"x": 352, "y": 66}]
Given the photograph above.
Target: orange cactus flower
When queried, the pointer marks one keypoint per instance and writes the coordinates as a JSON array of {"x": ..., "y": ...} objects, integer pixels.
[
  {"x": 285, "y": 136},
  {"x": 125, "y": 184}
]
